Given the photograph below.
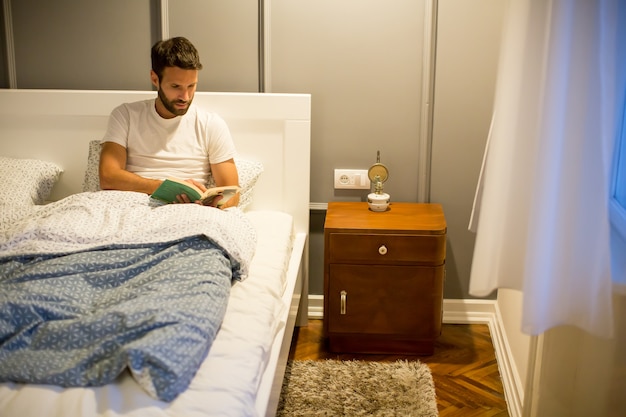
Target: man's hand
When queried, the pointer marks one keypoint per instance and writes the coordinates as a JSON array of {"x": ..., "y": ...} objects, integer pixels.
[
  {"x": 232, "y": 202},
  {"x": 184, "y": 198},
  {"x": 225, "y": 173}
]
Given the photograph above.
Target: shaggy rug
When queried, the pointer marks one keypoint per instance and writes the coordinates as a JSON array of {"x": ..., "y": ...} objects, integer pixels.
[{"x": 357, "y": 388}]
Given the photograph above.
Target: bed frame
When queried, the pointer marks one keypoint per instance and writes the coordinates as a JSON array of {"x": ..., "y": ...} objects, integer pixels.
[{"x": 57, "y": 126}]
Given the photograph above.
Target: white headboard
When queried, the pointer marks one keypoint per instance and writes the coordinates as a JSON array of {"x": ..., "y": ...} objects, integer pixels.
[{"x": 57, "y": 125}]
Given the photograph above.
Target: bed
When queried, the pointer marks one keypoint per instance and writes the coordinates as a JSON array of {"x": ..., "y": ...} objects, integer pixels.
[{"x": 263, "y": 278}]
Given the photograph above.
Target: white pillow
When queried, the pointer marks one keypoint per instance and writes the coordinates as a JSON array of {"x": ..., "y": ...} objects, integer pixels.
[
  {"x": 249, "y": 173},
  {"x": 91, "y": 181},
  {"x": 26, "y": 181}
]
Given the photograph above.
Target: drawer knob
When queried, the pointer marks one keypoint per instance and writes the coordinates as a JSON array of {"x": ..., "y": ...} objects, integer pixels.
[{"x": 382, "y": 250}]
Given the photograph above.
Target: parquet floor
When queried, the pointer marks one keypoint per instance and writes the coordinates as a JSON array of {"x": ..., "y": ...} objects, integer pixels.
[{"x": 464, "y": 368}]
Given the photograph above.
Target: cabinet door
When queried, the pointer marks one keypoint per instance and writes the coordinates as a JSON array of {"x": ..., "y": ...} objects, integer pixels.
[{"x": 403, "y": 301}]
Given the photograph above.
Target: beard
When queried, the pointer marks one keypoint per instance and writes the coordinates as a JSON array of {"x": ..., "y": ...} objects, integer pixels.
[{"x": 170, "y": 104}]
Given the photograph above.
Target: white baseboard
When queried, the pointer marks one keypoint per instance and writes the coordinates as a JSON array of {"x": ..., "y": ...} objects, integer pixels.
[
  {"x": 316, "y": 306},
  {"x": 464, "y": 312}
]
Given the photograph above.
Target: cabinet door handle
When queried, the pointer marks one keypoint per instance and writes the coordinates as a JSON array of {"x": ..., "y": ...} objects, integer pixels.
[
  {"x": 342, "y": 305},
  {"x": 382, "y": 250}
]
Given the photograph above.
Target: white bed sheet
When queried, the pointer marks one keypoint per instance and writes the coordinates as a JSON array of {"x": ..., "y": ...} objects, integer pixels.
[{"x": 226, "y": 383}]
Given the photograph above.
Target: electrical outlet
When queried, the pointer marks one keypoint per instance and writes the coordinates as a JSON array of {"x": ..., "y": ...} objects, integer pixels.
[{"x": 352, "y": 179}]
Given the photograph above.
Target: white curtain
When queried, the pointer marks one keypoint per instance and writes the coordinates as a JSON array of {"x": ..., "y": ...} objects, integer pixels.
[{"x": 541, "y": 208}]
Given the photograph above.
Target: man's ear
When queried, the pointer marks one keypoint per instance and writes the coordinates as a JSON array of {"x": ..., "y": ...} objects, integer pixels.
[{"x": 154, "y": 78}]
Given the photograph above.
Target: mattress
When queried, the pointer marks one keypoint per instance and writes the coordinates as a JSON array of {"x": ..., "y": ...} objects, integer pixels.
[{"x": 228, "y": 379}]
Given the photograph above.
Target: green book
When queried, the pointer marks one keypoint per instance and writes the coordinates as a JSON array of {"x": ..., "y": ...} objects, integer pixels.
[{"x": 172, "y": 187}]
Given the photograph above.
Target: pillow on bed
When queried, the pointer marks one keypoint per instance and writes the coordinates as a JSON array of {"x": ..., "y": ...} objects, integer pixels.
[
  {"x": 26, "y": 181},
  {"x": 91, "y": 181},
  {"x": 249, "y": 173}
]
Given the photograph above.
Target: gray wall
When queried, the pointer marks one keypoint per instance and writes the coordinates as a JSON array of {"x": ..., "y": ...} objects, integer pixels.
[
  {"x": 78, "y": 44},
  {"x": 226, "y": 35},
  {"x": 468, "y": 40},
  {"x": 83, "y": 44},
  {"x": 360, "y": 59},
  {"x": 4, "y": 77},
  {"x": 362, "y": 63}
]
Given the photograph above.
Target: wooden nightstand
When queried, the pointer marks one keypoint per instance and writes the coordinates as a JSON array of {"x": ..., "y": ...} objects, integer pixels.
[{"x": 383, "y": 277}]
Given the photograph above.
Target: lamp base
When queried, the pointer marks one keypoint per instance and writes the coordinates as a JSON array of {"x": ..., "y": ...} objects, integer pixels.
[{"x": 378, "y": 202}]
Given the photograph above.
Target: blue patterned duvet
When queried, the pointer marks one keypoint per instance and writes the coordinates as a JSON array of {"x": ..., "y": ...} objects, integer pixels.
[{"x": 103, "y": 283}]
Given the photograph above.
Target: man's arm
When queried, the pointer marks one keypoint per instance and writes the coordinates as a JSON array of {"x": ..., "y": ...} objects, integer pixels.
[
  {"x": 113, "y": 173},
  {"x": 225, "y": 173}
]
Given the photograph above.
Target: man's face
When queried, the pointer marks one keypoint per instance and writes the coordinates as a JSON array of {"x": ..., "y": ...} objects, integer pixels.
[{"x": 175, "y": 91}]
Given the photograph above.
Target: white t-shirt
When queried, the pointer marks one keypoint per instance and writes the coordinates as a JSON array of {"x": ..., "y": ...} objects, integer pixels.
[{"x": 179, "y": 147}]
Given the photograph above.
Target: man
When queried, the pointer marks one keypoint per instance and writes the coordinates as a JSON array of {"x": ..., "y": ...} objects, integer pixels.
[{"x": 148, "y": 141}]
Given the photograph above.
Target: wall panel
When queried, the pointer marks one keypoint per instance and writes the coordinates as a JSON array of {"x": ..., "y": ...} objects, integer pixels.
[
  {"x": 226, "y": 35},
  {"x": 78, "y": 44}
]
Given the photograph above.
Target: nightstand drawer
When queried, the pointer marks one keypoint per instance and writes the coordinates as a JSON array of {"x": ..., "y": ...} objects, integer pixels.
[{"x": 387, "y": 248}]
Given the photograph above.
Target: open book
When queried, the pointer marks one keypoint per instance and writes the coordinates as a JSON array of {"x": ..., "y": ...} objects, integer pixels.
[{"x": 172, "y": 187}]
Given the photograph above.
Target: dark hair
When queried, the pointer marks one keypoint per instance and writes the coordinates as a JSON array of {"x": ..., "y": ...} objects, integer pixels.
[{"x": 174, "y": 52}]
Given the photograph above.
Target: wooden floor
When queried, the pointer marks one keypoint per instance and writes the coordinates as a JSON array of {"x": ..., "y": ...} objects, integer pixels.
[{"x": 463, "y": 366}]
